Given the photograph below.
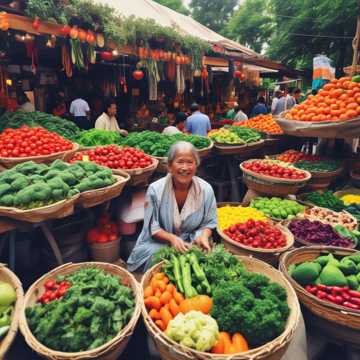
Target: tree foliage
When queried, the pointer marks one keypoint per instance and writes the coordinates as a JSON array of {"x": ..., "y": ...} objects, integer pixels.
[{"x": 176, "y": 5}]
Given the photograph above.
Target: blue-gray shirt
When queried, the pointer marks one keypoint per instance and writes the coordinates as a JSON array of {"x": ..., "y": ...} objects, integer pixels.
[{"x": 198, "y": 124}]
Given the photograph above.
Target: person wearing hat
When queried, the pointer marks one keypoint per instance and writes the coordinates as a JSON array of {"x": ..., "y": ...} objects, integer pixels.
[{"x": 197, "y": 123}]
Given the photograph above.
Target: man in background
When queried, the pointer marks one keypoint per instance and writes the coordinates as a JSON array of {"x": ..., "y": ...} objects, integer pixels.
[
  {"x": 198, "y": 123},
  {"x": 80, "y": 111},
  {"x": 277, "y": 96}
]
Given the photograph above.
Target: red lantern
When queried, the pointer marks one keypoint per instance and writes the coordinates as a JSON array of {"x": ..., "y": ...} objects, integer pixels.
[
  {"x": 106, "y": 55},
  {"x": 138, "y": 74},
  {"x": 65, "y": 30},
  {"x": 237, "y": 74},
  {"x": 36, "y": 23}
]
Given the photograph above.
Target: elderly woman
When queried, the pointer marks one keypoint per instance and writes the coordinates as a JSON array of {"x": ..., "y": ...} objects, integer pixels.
[{"x": 180, "y": 209}]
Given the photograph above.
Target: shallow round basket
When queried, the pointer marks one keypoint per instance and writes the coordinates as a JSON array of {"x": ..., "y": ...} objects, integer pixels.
[
  {"x": 9, "y": 277},
  {"x": 56, "y": 210},
  {"x": 273, "y": 350},
  {"x": 270, "y": 256},
  {"x": 336, "y": 314},
  {"x": 43, "y": 159},
  {"x": 162, "y": 165},
  {"x": 240, "y": 150},
  {"x": 96, "y": 197},
  {"x": 321, "y": 180},
  {"x": 110, "y": 350},
  {"x": 138, "y": 176}
]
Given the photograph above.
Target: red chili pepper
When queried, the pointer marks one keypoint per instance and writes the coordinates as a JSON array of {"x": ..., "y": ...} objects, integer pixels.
[
  {"x": 355, "y": 301},
  {"x": 311, "y": 289},
  {"x": 337, "y": 289},
  {"x": 354, "y": 293},
  {"x": 350, "y": 305},
  {"x": 339, "y": 299},
  {"x": 321, "y": 294},
  {"x": 323, "y": 287},
  {"x": 346, "y": 296}
]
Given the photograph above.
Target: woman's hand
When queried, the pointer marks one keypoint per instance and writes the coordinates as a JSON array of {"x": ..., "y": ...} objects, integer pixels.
[
  {"x": 123, "y": 132},
  {"x": 203, "y": 242},
  {"x": 179, "y": 244}
]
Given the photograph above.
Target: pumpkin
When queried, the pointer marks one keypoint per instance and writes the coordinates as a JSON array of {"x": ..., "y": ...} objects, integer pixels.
[
  {"x": 74, "y": 32},
  {"x": 138, "y": 74},
  {"x": 201, "y": 303},
  {"x": 106, "y": 55},
  {"x": 65, "y": 30},
  {"x": 82, "y": 35}
]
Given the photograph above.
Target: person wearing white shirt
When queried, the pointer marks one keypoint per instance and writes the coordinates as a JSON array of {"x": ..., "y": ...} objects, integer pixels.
[
  {"x": 107, "y": 120},
  {"x": 277, "y": 95},
  {"x": 25, "y": 104},
  {"x": 80, "y": 110},
  {"x": 178, "y": 126}
]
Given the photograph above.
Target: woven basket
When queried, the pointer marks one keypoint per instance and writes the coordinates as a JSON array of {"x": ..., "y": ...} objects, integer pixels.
[
  {"x": 206, "y": 151},
  {"x": 273, "y": 350},
  {"x": 42, "y": 159},
  {"x": 109, "y": 351},
  {"x": 240, "y": 150},
  {"x": 138, "y": 176},
  {"x": 162, "y": 166},
  {"x": 270, "y": 256},
  {"x": 57, "y": 210},
  {"x": 96, "y": 197},
  {"x": 324, "y": 309},
  {"x": 9, "y": 277}
]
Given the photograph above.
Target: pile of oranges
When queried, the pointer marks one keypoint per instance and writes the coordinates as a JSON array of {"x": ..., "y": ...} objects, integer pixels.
[
  {"x": 263, "y": 123},
  {"x": 338, "y": 100}
]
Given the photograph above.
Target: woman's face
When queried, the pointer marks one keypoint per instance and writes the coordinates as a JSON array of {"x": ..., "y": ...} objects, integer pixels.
[{"x": 183, "y": 167}]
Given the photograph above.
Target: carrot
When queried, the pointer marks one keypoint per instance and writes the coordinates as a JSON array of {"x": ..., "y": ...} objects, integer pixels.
[
  {"x": 154, "y": 314},
  {"x": 227, "y": 342},
  {"x": 178, "y": 297},
  {"x": 165, "y": 297},
  {"x": 174, "y": 307},
  {"x": 240, "y": 343},
  {"x": 161, "y": 325},
  {"x": 148, "y": 292},
  {"x": 165, "y": 316},
  {"x": 152, "y": 302},
  {"x": 219, "y": 347}
]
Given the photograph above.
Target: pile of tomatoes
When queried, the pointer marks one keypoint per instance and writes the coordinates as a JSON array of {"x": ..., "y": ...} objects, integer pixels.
[
  {"x": 293, "y": 156},
  {"x": 105, "y": 231},
  {"x": 115, "y": 157},
  {"x": 270, "y": 168},
  {"x": 338, "y": 100},
  {"x": 26, "y": 141},
  {"x": 53, "y": 290},
  {"x": 257, "y": 234}
]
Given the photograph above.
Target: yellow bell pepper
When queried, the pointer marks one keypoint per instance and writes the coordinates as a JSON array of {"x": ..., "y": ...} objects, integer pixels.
[{"x": 231, "y": 215}]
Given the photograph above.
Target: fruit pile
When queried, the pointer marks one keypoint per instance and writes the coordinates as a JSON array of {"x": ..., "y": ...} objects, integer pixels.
[
  {"x": 53, "y": 290},
  {"x": 104, "y": 232},
  {"x": 293, "y": 156},
  {"x": 257, "y": 234},
  {"x": 338, "y": 100},
  {"x": 115, "y": 157},
  {"x": 26, "y": 142},
  {"x": 277, "y": 208},
  {"x": 263, "y": 123},
  {"x": 234, "y": 135},
  {"x": 231, "y": 215},
  {"x": 274, "y": 169}
]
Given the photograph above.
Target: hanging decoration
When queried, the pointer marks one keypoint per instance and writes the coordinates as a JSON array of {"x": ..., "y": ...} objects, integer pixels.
[
  {"x": 4, "y": 21},
  {"x": 36, "y": 23},
  {"x": 138, "y": 74}
]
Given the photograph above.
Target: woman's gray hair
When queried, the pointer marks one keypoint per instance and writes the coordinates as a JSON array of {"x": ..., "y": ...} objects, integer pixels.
[{"x": 182, "y": 146}]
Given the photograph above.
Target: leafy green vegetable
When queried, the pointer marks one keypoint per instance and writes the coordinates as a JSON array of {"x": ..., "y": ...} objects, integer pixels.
[
  {"x": 94, "y": 137},
  {"x": 327, "y": 200},
  {"x": 92, "y": 312},
  {"x": 318, "y": 166}
]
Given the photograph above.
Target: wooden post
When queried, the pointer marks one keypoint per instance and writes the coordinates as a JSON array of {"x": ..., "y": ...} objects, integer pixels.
[{"x": 355, "y": 43}]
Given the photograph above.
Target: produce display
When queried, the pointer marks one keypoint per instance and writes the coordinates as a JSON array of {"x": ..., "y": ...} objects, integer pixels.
[
  {"x": 243, "y": 310},
  {"x": 336, "y": 101},
  {"x": 330, "y": 217},
  {"x": 275, "y": 169},
  {"x": 234, "y": 135},
  {"x": 278, "y": 208},
  {"x": 318, "y": 166},
  {"x": 63, "y": 127},
  {"x": 94, "y": 137},
  {"x": 156, "y": 144},
  {"x": 26, "y": 141},
  {"x": 115, "y": 157},
  {"x": 7, "y": 301},
  {"x": 354, "y": 210},
  {"x": 30, "y": 185},
  {"x": 53, "y": 290},
  {"x": 350, "y": 199},
  {"x": 105, "y": 231},
  {"x": 332, "y": 279},
  {"x": 318, "y": 233},
  {"x": 257, "y": 234},
  {"x": 231, "y": 215},
  {"x": 293, "y": 156},
  {"x": 326, "y": 199},
  {"x": 263, "y": 123},
  {"x": 94, "y": 309}
]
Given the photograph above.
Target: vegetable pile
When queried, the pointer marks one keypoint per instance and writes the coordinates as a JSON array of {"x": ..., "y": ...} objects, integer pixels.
[
  {"x": 25, "y": 142},
  {"x": 156, "y": 144},
  {"x": 263, "y": 123},
  {"x": 257, "y": 234},
  {"x": 318, "y": 166},
  {"x": 234, "y": 135},
  {"x": 247, "y": 308},
  {"x": 317, "y": 233},
  {"x": 277, "y": 208},
  {"x": 63, "y": 127},
  {"x": 30, "y": 185},
  {"x": 104, "y": 232},
  {"x": 336, "y": 101},
  {"x": 274, "y": 169},
  {"x": 327, "y": 200},
  {"x": 7, "y": 301},
  {"x": 354, "y": 210},
  {"x": 350, "y": 199},
  {"x": 293, "y": 156},
  {"x": 330, "y": 217},
  {"x": 231, "y": 215},
  {"x": 95, "y": 137},
  {"x": 331, "y": 279},
  {"x": 115, "y": 157},
  {"x": 92, "y": 312}
]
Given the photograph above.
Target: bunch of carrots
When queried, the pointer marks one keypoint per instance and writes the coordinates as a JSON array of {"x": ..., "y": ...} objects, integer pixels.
[{"x": 263, "y": 123}]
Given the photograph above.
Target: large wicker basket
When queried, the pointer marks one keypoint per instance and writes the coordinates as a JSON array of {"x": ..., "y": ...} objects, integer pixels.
[
  {"x": 9, "y": 277},
  {"x": 270, "y": 256},
  {"x": 57, "y": 210},
  {"x": 96, "y": 197},
  {"x": 43, "y": 159},
  {"x": 324, "y": 309},
  {"x": 109, "y": 351},
  {"x": 240, "y": 150},
  {"x": 273, "y": 350}
]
